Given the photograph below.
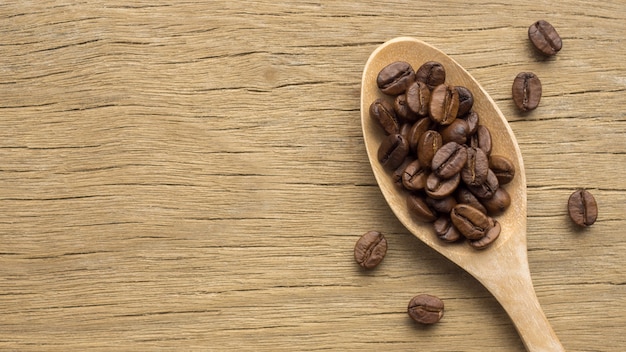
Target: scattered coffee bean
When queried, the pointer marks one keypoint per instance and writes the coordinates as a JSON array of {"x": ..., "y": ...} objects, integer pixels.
[
  {"x": 370, "y": 249},
  {"x": 545, "y": 38},
  {"x": 526, "y": 91},
  {"x": 441, "y": 154},
  {"x": 395, "y": 78},
  {"x": 582, "y": 208},
  {"x": 426, "y": 309}
]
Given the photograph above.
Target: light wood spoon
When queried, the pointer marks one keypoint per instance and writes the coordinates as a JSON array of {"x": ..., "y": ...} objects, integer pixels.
[{"x": 503, "y": 267}]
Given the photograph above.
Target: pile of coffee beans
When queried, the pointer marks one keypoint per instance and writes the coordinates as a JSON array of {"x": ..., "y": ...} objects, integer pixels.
[{"x": 437, "y": 151}]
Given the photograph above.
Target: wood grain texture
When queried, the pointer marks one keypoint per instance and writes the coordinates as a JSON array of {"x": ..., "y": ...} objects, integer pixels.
[{"x": 192, "y": 176}]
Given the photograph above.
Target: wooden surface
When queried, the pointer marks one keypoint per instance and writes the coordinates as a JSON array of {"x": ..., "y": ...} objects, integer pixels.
[{"x": 192, "y": 176}]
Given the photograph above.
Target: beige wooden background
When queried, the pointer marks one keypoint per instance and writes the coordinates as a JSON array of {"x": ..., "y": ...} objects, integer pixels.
[{"x": 191, "y": 175}]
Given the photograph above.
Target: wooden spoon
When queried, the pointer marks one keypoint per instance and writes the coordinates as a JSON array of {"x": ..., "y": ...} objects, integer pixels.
[{"x": 503, "y": 267}]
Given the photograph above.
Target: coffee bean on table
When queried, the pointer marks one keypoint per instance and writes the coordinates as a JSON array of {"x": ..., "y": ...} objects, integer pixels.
[
  {"x": 526, "y": 91},
  {"x": 426, "y": 309},
  {"x": 370, "y": 249},
  {"x": 395, "y": 78},
  {"x": 392, "y": 151},
  {"x": 444, "y": 104},
  {"x": 384, "y": 114},
  {"x": 545, "y": 38},
  {"x": 582, "y": 208},
  {"x": 432, "y": 73}
]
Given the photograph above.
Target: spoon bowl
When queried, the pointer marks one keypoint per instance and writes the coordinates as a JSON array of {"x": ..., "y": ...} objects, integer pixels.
[{"x": 503, "y": 266}]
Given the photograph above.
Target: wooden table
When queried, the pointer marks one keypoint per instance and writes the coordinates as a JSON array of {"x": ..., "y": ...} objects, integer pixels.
[{"x": 192, "y": 176}]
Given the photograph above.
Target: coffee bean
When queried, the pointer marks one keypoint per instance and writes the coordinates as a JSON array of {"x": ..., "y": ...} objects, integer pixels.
[
  {"x": 401, "y": 107},
  {"x": 418, "y": 98},
  {"x": 398, "y": 173},
  {"x": 392, "y": 151},
  {"x": 526, "y": 91},
  {"x": 476, "y": 168},
  {"x": 432, "y": 73},
  {"x": 545, "y": 38},
  {"x": 457, "y": 132},
  {"x": 464, "y": 196},
  {"x": 444, "y": 104},
  {"x": 405, "y": 129},
  {"x": 414, "y": 176},
  {"x": 420, "y": 209},
  {"x": 489, "y": 237},
  {"x": 471, "y": 222},
  {"x": 498, "y": 203},
  {"x": 466, "y": 100},
  {"x": 417, "y": 130},
  {"x": 481, "y": 139},
  {"x": 444, "y": 229},
  {"x": 438, "y": 188},
  {"x": 472, "y": 122},
  {"x": 427, "y": 146},
  {"x": 426, "y": 309},
  {"x": 486, "y": 189},
  {"x": 443, "y": 205},
  {"x": 395, "y": 78},
  {"x": 370, "y": 249},
  {"x": 582, "y": 208},
  {"x": 449, "y": 160},
  {"x": 384, "y": 114},
  {"x": 503, "y": 168}
]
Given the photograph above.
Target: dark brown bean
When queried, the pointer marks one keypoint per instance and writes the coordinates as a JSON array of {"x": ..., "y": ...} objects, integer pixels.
[
  {"x": 526, "y": 91},
  {"x": 439, "y": 188},
  {"x": 491, "y": 235},
  {"x": 395, "y": 78},
  {"x": 417, "y": 130},
  {"x": 443, "y": 205},
  {"x": 472, "y": 122},
  {"x": 425, "y": 309},
  {"x": 582, "y": 208},
  {"x": 498, "y": 203},
  {"x": 466, "y": 100},
  {"x": 444, "y": 229},
  {"x": 420, "y": 209},
  {"x": 486, "y": 189},
  {"x": 464, "y": 196},
  {"x": 503, "y": 168},
  {"x": 401, "y": 107},
  {"x": 545, "y": 38},
  {"x": 471, "y": 222},
  {"x": 414, "y": 176},
  {"x": 457, "y": 132},
  {"x": 384, "y": 114},
  {"x": 398, "y": 173},
  {"x": 432, "y": 73},
  {"x": 418, "y": 98},
  {"x": 449, "y": 160},
  {"x": 370, "y": 249},
  {"x": 392, "y": 151},
  {"x": 481, "y": 139},
  {"x": 444, "y": 104},
  {"x": 475, "y": 170},
  {"x": 427, "y": 146}
]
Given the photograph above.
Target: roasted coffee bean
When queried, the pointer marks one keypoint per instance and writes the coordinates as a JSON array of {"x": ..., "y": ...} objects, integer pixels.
[
  {"x": 384, "y": 114},
  {"x": 503, "y": 168},
  {"x": 464, "y": 196},
  {"x": 425, "y": 309},
  {"x": 395, "y": 78},
  {"x": 444, "y": 104},
  {"x": 414, "y": 176},
  {"x": 481, "y": 139},
  {"x": 370, "y": 249},
  {"x": 443, "y": 205},
  {"x": 471, "y": 222},
  {"x": 526, "y": 91},
  {"x": 449, "y": 160},
  {"x": 545, "y": 38},
  {"x": 486, "y": 189},
  {"x": 444, "y": 229},
  {"x": 398, "y": 173},
  {"x": 405, "y": 130},
  {"x": 401, "y": 107},
  {"x": 472, "y": 122},
  {"x": 420, "y": 209},
  {"x": 439, "y": 188},
  {"x": 432, "y": 73},
  {"x": 418, "y": 98},
  {"x": 457, "y": 132},
  {"x": 489, "y": 237},
  {"x": 475, "y": 170},
  {"x": 417, "y": 130},
  {"x": 466, "y": 100},
  {"x": 392, "y": 151},
  {"x": 427, "y": 146},
  {"x": 498, "y": 203},
  {"x": 582, "y": 208}
]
